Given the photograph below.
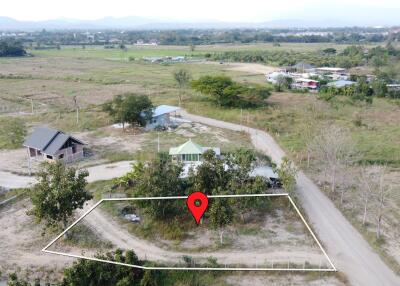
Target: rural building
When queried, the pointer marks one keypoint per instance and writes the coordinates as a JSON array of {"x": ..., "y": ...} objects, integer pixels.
[
  {"x": 330, "y": 70},
  {"x": 50, "y": 144},
  {"x": 190, "y": 152},
  {"x": 305, "y": 83},
  {"x": 333, "y": 73},
  {"x": 341, "y": 83},
  {"x": 162, "y": 117}
]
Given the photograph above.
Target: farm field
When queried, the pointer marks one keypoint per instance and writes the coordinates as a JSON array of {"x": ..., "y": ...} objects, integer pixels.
[{"x": 52, "y": 78}]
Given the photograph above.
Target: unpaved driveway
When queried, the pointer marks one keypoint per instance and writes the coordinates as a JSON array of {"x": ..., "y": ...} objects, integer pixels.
[
  {"x": 111, "y": 230},
  {"x": 96, "y": 173},
  {"x": 349, "y": 251}
]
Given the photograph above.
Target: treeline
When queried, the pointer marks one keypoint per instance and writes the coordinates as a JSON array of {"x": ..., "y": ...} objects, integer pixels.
[
  {"x": 11, "y": 48},
  {"x": 362, "y": 90},
  {"x": 351, "y": 56},
  {"x": 211, "y": 36}
]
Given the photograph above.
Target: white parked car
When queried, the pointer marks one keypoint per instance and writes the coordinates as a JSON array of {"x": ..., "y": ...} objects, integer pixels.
[{"x": 132, "y": 217}]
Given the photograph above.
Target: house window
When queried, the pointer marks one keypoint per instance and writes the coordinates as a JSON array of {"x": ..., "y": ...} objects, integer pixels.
[
  {"x": 73, "y": 149},
  {"x": 61, "y": 156},
  {"x": 49, "y": 157}
]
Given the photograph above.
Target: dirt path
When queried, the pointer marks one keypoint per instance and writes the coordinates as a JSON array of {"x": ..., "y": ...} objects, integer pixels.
[
  {"x": 112, "y": 231},
  {"x": 96, "y": 173},
  {"x": 21, "y": 241},
  {"x": 349, "y": 251}
]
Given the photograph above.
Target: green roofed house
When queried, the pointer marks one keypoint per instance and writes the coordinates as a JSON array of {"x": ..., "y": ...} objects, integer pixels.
[{"x": 190, "y": 152}]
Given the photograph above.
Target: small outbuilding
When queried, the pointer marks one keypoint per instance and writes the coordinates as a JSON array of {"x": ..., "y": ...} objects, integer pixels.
[
  {"x": 190, "y": 152},
  {"x": 162, "y": 117},
  {"x": 53, "y": 145}
]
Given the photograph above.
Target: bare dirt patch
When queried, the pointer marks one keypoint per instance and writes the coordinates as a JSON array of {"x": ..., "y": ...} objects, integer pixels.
[{"x": 21, "y": 244}]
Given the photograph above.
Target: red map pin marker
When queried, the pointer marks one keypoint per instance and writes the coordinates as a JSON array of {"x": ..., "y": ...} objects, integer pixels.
[{"x": 197, "y": 204}]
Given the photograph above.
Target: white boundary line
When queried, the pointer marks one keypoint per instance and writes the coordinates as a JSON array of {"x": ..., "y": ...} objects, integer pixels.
[{"x": 333, "y": 269}]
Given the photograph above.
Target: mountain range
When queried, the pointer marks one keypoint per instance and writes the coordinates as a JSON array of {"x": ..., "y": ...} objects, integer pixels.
[{"x": 141, "y": 23}]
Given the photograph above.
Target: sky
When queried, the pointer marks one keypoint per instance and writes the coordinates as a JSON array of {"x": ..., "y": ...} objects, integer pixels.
[{"x": 203, "y": 10}]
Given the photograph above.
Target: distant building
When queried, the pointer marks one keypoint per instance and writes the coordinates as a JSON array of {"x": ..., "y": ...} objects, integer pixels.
[
  {"x": 330, "y": 70},
  {"x": 53, "y": 145},
  {"x": 303, "y": 67},
  {"x": 341, "y": 83},
  {"x": 162, "y": 117},
  {"x": 190, "y": 152},
  {"x": 305, "y": 83}
]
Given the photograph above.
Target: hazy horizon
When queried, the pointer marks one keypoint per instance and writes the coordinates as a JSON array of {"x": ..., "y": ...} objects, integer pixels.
[{"x": 350, "y": 12}]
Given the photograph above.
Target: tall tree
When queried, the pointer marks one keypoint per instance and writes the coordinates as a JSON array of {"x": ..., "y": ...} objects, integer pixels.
[
  {"x": 182, "y": 78},
  {"x": 287, "y": 173},
  {"x": 60, "y": 190},
  {"x": 220, "y": 215},
  {"x": 334, "y": 150},
  {"x": 382, "y": 193},
  {"x": 159, "y": 178},
  {"x": 130, "y": 108},
  {"x": 227, "y": 93}
]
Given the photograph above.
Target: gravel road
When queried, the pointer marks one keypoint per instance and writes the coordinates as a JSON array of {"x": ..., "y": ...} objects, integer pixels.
[
  {"x": 345, "y": 246},
  {"x": 96, "y": 173}
]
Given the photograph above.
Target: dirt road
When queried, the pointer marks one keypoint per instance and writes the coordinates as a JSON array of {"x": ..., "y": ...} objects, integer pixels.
[
  {"x": 96, "y": 173},
  {"x": 346, "y": 247},
  {"x": 111, "y": 230}
]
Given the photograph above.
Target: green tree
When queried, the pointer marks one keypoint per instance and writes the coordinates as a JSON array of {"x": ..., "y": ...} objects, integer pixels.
[
  {"x": 287, "y": 173},
  {"x": 211, "y": 175},
  {"x": 283, "y": 82},
  {"x": 59, "y": 191},
  {"x": 130, "y": 108},
  {"x": 11, "y": 48},
  {"x": 92, "y": 273},
  {"x": 160, "y": 178},
  {"x": 182, "y": 78},
  {"x": 228, "y": 93},
  {"x": 220, "y": 215}
]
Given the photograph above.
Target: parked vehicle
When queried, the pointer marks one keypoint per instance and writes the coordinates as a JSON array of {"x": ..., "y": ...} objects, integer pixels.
[{"x": 132, "y": 218}]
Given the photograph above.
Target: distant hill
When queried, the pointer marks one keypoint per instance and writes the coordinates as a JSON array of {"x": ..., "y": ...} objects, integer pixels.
[{"x": 134, "y": 22}]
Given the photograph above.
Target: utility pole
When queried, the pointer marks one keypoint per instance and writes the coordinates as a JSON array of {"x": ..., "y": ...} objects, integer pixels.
[
  {"x": 77, "y": 110},
  {"x": 29, "y": 161},
  {"x": 32, "y": 106}
]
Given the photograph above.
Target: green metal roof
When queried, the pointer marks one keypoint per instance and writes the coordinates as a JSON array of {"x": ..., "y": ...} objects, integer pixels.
[{"x": 187, "y": 148}]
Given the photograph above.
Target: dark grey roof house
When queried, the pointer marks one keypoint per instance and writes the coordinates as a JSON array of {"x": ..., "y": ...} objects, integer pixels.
[{"x": 52, "y": 144}]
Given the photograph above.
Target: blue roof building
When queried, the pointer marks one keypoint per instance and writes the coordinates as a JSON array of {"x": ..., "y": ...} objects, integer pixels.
[{"x": 161, "y": 117}]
